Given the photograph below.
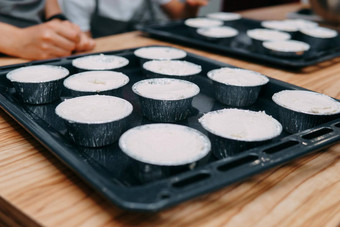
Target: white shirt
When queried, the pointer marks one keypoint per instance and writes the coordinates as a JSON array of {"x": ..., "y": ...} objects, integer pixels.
[{"x": 80, "y": 11}]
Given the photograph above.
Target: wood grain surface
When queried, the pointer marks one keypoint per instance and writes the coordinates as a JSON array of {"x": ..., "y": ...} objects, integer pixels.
[{"x": 37, "y": 189}]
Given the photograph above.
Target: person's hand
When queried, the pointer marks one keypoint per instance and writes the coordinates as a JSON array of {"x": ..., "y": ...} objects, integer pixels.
[
  {"x": 197, "y": 3},
  {"x": 177, "y": 9},
  {"x": 85, "y": 42},
  {"x": 50, "y": 40}
]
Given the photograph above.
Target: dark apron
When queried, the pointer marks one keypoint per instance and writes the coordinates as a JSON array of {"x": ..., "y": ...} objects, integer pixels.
[
  {"x": 104, "y": 26},
  {"x": 18, "y": 22}
]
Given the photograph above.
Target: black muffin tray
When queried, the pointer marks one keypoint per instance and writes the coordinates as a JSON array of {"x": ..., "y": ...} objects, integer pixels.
[
  {"x": 240, "y": 46},
  {"x": 110, "y": 172}
]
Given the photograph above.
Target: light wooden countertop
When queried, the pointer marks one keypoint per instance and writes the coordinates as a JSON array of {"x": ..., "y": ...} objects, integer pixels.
[{"x": 36, "y": 188}]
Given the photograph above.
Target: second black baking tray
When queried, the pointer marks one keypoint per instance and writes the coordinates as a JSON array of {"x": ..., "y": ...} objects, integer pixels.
[
  {"x": 241, "y": 46},
  {"x": 110, "y": 172}
]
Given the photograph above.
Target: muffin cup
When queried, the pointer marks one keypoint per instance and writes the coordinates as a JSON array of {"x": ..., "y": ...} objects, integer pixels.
[
  {"x": 165, "y": 110},
  {"x": 311, "y": 110},
  {"x": 83, "y": 84},
  {"x": 118, "y": 69},
  {"x": 311, "y": 36},
  {"x": 224, "y": 147},
  {"x": 232, "y": 131},
  {"x": 95, "y": 135},
  {"x": 293, "y": 121},
  {"x": 148, "y": 167},
  {"x": 111, "y": 92},
  {"x": 225, "y": 40},
  {"x": 150, "y": 74},
  {"x": 192, "y": 28},
  {"x": 39, "y": 93},
  {"x": 286, "y": 54},
  {"x": 142, "y": 60},
  {"x": 95, "y": 120},
  {"x": 318, "y": 44},
  {"x": 88, "y": 67},
  {"x": 38, "y": 84},
  {"x": 238, "y": 96},
  {"x": 257, "y": 43},
  {"x": 293, "y": 31},
  {"x": 229, "y": 19},
  {"x": 147, "y": 173}
]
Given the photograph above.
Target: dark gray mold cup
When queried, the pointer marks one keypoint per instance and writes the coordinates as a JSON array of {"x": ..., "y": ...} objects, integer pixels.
[
  {"x": 117, "y": 91},
  {"x": 296, "y": 121},
  {"x": 236, "y": 95},
  {"x": 38, "y": 92},
  {"x": 95, "y": 135},
  {"x": 111, "y": 92},
  {"x": 164, "y": 110},
  {"x": 143, "y": 59},
  {"x": 91, "y": 60},
  {"x": 257, "y": 43},
  {"x": 286, "y": 54},
  {"x": 293, "y": 31},
  {"x": 153, "y": 74},
  {"x": 229, "y": 19},
  {"x": 224, "y": 147},
  {"x": 193, "y": 27},
  {"x": 225, "y": 40},
  {"x": 293, "y": 121},
  {"x": 147, "y": 171},
  {"x": 319, "y": 43}
]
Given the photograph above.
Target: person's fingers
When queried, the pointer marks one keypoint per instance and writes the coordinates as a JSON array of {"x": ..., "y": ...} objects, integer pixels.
[
  {"x": 66, "y": 29},
  {"x": 76, "y": 29},
  {"x": 197, "y": 2},
  {"x": 59, "y": 41},
  {"x": 85, "y": 43},
  {"x": 50, "y": 50}
]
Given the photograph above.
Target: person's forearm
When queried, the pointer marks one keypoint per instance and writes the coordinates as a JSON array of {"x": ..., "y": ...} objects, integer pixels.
[
  {"x": 8, "y": 37},
  {"x": 52, "y": 8}
]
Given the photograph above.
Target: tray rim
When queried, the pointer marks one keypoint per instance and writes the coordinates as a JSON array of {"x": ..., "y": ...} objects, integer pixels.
[{"x": 99, "y": 183}]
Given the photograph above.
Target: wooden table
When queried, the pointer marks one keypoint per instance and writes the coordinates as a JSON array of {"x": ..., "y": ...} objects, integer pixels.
[{"x": 36, "y": 188}]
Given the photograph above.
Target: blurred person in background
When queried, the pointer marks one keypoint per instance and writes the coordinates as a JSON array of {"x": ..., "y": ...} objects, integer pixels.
[
  {"x": 36, "y": 29},
  {"x": 106, "y": 17}
]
